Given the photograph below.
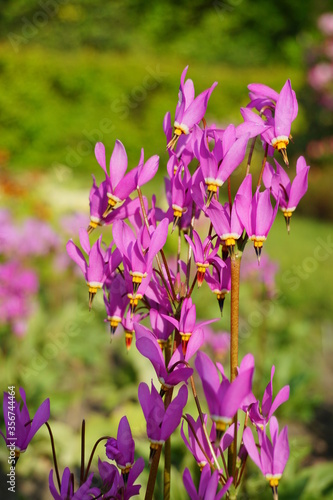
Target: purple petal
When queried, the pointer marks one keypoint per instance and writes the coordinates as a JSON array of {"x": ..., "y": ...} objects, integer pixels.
[
  {"x": 268, "y": 395},
  {"x": 53, "y": 489},
  {"x": 126, "y": 185},
  {"x": 284, "y": 110},
  {"x": 118, "y": 164},
  {"x": 281, "y": 397},
  {"x": 263, "y": 91},
  {"x": 174, "y": 413},
  {"x": 100, "y": 156},
  {"x": 281, "y": 452},
  {"x": 95, "y": 271},
  {"x": 195, "y": 112},
  {"x": 158, "y": 240},
  {"x": 251, "y": 447},
  {"x": 233, "y": 158},
  {"x": 189, "y": 485},
  {"x": 76, "y": 255},
  {"x": 298, "y": 187},
  {"x": 149, "y": 170},
  {"x": 151, "y": 350},
  {"x": 125, "y": 441}
]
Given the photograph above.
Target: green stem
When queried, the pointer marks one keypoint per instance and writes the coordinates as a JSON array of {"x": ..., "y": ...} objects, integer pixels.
[
  {"x": 234, "y": 327},
  {"x": 196, "y": 399},
  {"x": 167, "y": 445},
  {"x": 92, "y": 455},
  {"x": 153, "y": 474},
  {"x": 54, "y": 454},
  {"x": 83, "y": 437},
  {"x": 250, "y": 156}
]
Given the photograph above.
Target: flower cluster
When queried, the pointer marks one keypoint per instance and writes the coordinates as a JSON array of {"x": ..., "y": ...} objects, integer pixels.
[{"x": 151, "y": 295}]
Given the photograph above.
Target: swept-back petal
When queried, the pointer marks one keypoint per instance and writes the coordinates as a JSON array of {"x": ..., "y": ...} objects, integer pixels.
[
  {"x": 75, "y": 254},
  {"x": 118, "y": 164},
  {"x": 100, "y": 156}
]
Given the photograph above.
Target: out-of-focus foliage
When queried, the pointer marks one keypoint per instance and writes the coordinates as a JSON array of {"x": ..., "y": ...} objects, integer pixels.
[{"x": 235, "y": 31}]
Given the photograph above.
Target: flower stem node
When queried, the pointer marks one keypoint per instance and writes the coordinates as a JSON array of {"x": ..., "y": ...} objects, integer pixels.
[{"x": 153, "y": 449}]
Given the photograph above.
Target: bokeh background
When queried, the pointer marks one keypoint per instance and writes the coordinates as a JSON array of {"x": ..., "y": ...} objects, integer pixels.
[{"x": 74, "y": 72}]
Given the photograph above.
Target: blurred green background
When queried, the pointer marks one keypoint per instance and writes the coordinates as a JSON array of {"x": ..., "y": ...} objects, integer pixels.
[{"x": 76, "y": 72}]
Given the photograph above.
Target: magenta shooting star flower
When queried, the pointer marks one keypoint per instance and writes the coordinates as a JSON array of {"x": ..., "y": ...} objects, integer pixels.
[
  {"x": 189, "y": 110},
  {"x": 218, "y": 165},
  {"x": 20, "y": 434},
  {"x": 203, "y": 256},
  {"x": 148, "y": 346},
  {"x": 223, "y": 398},
  {"x": 196, "y": 435},
  {"x": 180, "y": 193},
  {"x": 161, "y": 328},
  {"x": 207, "y": 486},
  {"x": 85, "y": 492},
  {"x": 121, "y": 450},
  {"x": 286, "y": 192},
  {"x": 113, "y": 482},
  {"x": 257, "y": 214},
  {"x": 260, "y": 415},
  {"x": 96, "y": 271},
  {"x": 219, "y": 281},
  {"x": 128, "y": 325},
  {"x": 186, "y": 325},
  {"x": 138, "y": 257},
  {"x": 161, "y": 422},
  {"x": 285, "y": 108},
  {"x": 273, "y": 454},
  {"x": 118, "y": 185}
]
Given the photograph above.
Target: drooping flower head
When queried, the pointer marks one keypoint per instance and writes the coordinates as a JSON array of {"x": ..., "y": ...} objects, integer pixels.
[
  {"x": 286, "y": 192},
  {"x": 261, "y": 414},
  {"x": 207, "y": 487},
  {"x": 279, "y": 110},
  {"x": 189, "y": 110},
  {"x": 257, "y": 214},
  {"x": 161, "y": 422},
  {"x": 121, "y": 450},
  {"x": 148, "y": 346},
  {"x": 203, "y": 255},
  {"x": 85, "y": 492},
  {"x": 273, "y": 454},
  {"x": 25, "y": 428},
  {"x": 224, "y": 398},
  {"x": 96, "y": 271}
]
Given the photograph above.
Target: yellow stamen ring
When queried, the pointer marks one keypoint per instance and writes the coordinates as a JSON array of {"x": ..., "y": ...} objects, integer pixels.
[
  {"x": 202, "y": 267},
  {"x": 280, "y": 142}
]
